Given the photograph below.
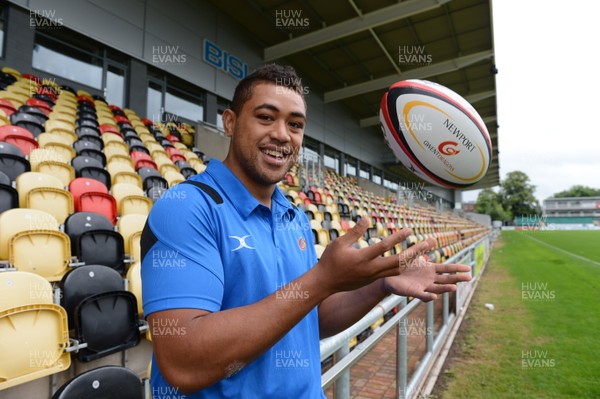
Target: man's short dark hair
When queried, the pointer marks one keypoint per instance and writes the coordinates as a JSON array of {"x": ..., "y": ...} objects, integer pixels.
[{"x": 279, "y": 75}]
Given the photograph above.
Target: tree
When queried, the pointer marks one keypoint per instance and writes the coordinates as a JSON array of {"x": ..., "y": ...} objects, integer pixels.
[
  {"x": 490, "y": 203},
  {"x": 578, "y": 191},
  {"x": 517, "y": 195}
]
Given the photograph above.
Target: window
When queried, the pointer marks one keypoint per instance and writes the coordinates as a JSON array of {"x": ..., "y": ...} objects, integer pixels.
[
  {"x": 178, "y": 102},
  {"x": 350, "y": 169},
  {"x": 376, "y": 178},
  {"x": 331, "y": 162},
  {"x": 2, "y": 27},
  {"x": 52, "y": 56},
  {"x": 70, "y": 55},
  {"x": 115, "y": 86},
  {"x": 168, "y": 94}
]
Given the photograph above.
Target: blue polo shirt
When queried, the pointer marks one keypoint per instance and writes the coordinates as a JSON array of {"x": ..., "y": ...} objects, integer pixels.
[{"x": 215, "y": 247}]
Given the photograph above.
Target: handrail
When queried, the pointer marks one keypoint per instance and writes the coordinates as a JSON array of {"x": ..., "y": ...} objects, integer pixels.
[{"x": 345, "y": 359}]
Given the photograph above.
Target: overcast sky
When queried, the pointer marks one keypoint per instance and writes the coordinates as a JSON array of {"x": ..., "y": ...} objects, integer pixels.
[{"x": 548, "y": 92}]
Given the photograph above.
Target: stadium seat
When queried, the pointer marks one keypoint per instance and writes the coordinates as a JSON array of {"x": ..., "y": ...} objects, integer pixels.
[
  {"x": 107, "y": 323},
  {"x": 87, "y": 131},
  {"x": 7, "y": 106},
  {"x": 173, "y": 178},
  {"x": 67, "y": 152},
  {"x": 81, "y": 185},
  {"x": 127, "y": 177},
  {"x": 82, "y": 161},
  {"x": 25, "y": 144},
  {"x": 152, "y": 177},
  {"x": 113, "y": 148},
  {"x": 80, "y": 222},
  {"x": 43, "y": 252},
  {"x": 30, "y": 180},
  {"x": 65, "y": 173},
  {"x": 99, "y": 202},
  {"x": 33, "y": 331},
  {"x": 27, "y": 121},
  {"x": 93, "y": 153},
  {"x": 80, "y": 145},
  {"x": 17, "y": 220},
  {"x": 142, "y": 160},
  {"x": 101, "y": 247},
  {"x": 56, "y": 201},
  {"x": 94, "y": 172},
  {"x": 128, "y": 225},
  {"x": 155, "y": 192},
  {"x": 114, "y": 382},
  {"x": 130, "y": 199},
  {"x": 85, "y": 281}
]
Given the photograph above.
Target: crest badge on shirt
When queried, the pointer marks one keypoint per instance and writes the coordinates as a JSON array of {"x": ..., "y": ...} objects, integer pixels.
[{"x": 302, "y": 243}]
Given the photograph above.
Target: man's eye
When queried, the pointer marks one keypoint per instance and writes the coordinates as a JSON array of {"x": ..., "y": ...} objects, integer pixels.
[{"x": 297, "y": 125}]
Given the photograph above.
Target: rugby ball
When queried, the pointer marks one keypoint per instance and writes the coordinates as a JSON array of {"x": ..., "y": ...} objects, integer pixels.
[{"x": 435, "y": 133}]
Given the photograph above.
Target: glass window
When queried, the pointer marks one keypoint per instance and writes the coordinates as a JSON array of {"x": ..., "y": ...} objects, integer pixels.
[
  {"x": 115, "y": 86},
  {"x": 2, "y": 27},
  {"x": 364, "y": 173},
  {"x": 376, "y": 178},
  {"x": 220, "y": 119},
  {"x": 154, "y": 105},
  {"x": 183, "y": 104},
  {"x": 68, "y": 62},
  {"x": 350, "y": 170},
  {"x": 330, "y": 162}
]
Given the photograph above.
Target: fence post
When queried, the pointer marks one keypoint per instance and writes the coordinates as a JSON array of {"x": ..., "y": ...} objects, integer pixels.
[{"x": 341, "y": 388}]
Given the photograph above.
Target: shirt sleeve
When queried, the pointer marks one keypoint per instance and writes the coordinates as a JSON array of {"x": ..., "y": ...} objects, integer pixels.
[{"x": 182, "y": 267}]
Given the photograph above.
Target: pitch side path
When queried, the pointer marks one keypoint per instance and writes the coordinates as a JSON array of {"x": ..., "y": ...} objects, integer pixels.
[{"x": 542, "y": 340}]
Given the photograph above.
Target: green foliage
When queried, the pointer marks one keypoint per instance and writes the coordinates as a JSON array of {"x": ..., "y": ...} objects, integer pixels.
[
  {"x": 490, "y": 203},
  {"x": 579, "y": 191},
  {"x": 517, "y": 195},
  {"x": 515, "y": 198}
]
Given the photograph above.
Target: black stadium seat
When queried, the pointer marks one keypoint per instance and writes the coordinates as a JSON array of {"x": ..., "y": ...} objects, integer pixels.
[
  {"x": 85, "y": 281},
  {"x": 13, "y": 165},
  {"x": 101, "y": 247},
  {"x": 9, "y": 197},
  {"x": 27, "y": 121},
  {"x": 107, "y": 382},
  {"x": 87, "y": 130},
  {"x": 80, "y": 222},
  {"x": 84, "y": 145},
  {"x": 108, "y": 323},
  {"x": 152, "y": 178},
  {"x": 97, "y": 173},
  {"x": 93, "y": 153},
  {"x": 82, "y": 161}
]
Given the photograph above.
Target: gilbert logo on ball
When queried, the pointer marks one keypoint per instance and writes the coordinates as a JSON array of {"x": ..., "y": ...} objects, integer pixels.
[{"x": 435, "y": 133}]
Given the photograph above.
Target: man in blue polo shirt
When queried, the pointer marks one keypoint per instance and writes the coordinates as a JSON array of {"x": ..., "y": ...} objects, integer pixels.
[{"x": 235, "y": 297}]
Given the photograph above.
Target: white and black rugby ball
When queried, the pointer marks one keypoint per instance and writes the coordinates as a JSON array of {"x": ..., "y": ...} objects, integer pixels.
[{"x": 435, "y": 133}]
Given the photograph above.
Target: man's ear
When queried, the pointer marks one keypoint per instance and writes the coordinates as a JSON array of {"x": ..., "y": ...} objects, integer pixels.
[{"x": 229, "y": 118}]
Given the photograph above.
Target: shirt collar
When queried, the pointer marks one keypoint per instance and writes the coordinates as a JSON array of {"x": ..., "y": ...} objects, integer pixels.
[{"x": 243, "y": 201}]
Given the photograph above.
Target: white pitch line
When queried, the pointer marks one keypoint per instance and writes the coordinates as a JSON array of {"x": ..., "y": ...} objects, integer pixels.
[{"x": 563, "y": 251}]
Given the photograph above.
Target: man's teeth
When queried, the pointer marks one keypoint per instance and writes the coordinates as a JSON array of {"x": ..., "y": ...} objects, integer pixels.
[{"x": 274, "y": 153}]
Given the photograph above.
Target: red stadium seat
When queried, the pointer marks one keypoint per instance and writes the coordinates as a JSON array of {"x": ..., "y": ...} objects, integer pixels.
[
  {"x": 121, "y": 119},
  {"x": 109, "y": 129},
  {"x": 42, "y": 105},
  {"x": 82, "y": 185},
  {"x": 142, "y": 160},
  {"x": 86, "y": 99},
  {"x": 25, "y": 144},
  {"x": 7, "y": 106},
  {"x": 101, "y": 203},
  {"x": 14, "y": 131},
  {"x": 32, "y": 77}
]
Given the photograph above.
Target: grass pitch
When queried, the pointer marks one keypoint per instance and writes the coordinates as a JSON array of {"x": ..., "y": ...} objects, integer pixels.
[{"x": 542, "y": 340}]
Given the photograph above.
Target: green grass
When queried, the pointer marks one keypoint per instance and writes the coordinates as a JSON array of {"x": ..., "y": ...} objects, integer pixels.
[{"x": 547, "y": 304}]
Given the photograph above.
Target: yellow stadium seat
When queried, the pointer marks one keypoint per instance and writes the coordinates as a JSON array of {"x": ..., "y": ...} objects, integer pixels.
[
  {"x": 130, "y": 199},
  {"x": 67, "y": 118},
  {"x": 60, "y": 124},
  {"x": 128, "y": 225},
  {"x": 84, "y": 93},
  {"x": 65, "y": 151},
  {"x": 16, "y": 220},
  {"x": 29, "y": 180},
  {"x": 55, "y": 137},
  {"x": 43, "y": 252},
  {"x": 108, "y": 137},
  {"x": 126, "y": 177},
  {"x": 64, "y": 172},
  {"x": 173, "y": 178},
  {"x": 118, "y": 165},
  {"x": 39, "y": 155},
  {"x": 11, "y": 71},
  {"x": 134, "y": 284},
  {"x": 55, "y": 201},
  {"x": 33, "y": 339},
  {"x": 23, "y": 288},
  {"x": 113, "y": 148}
]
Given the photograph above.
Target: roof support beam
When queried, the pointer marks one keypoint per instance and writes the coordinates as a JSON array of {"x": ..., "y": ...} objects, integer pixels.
[
  {"x": 379, "y": 17},
  {"x": 417, "y": 73},
  {"x": 473, "y": 98}
]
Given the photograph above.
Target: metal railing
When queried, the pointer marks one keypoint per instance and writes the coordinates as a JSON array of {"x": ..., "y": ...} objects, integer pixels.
[{"x": 406, "y": 388}]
